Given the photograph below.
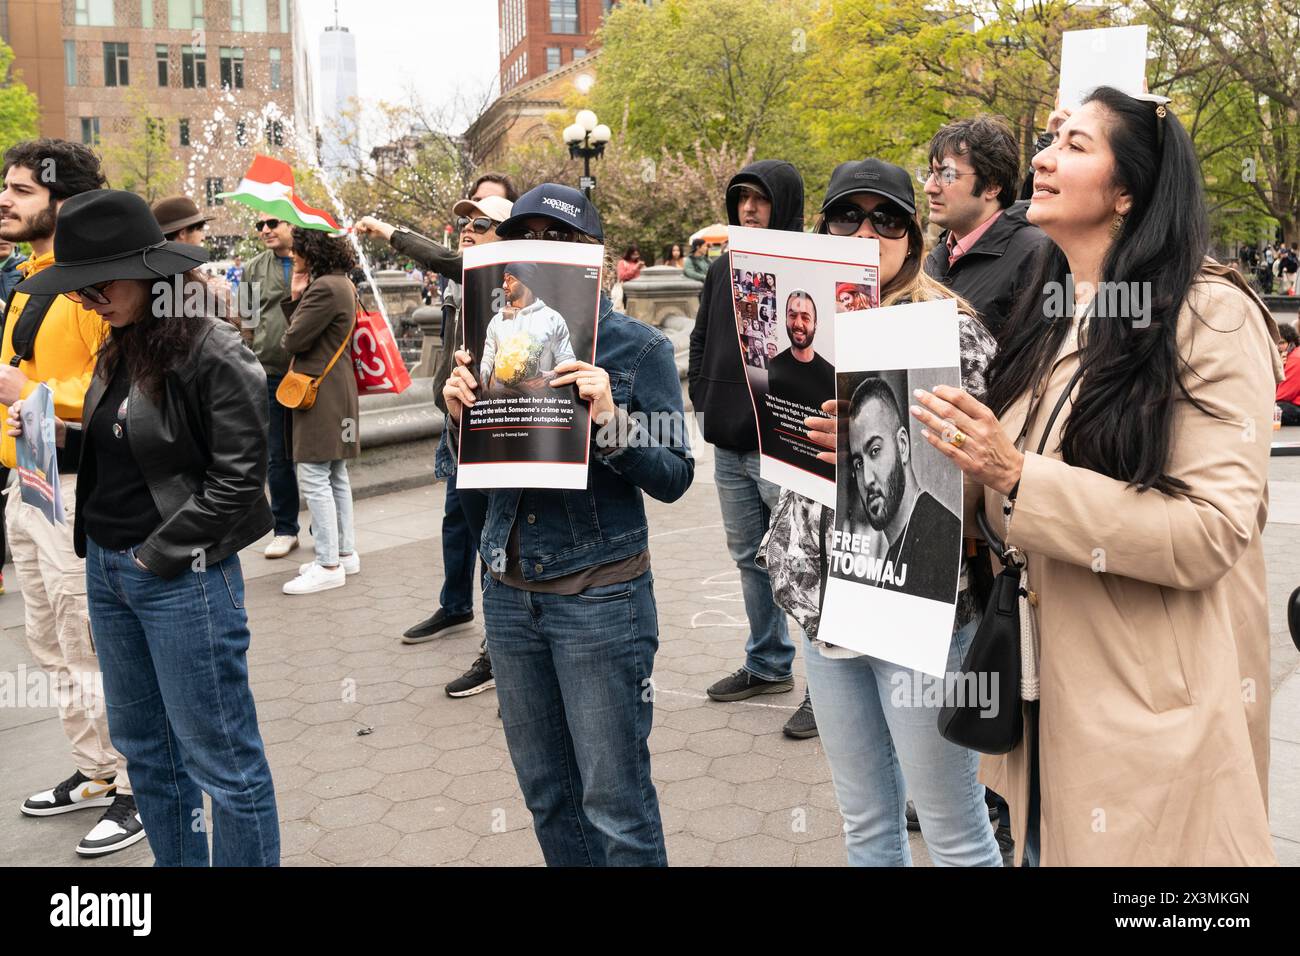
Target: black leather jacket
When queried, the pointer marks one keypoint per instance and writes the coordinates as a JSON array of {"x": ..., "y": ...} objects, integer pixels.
[{"x": 202, "y": 450}]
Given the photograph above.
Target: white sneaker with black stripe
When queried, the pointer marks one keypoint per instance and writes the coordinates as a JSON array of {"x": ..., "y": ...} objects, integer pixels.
[
  {"x": 76, "y": 793},
  {"x": 119, "y": 828}
]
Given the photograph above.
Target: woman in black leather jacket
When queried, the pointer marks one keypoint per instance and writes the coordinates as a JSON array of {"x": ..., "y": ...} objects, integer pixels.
[{"x": 173, "y": 456}]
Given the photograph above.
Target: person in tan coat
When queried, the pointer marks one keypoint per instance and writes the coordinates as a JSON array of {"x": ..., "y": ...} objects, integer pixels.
[
  {"x": 1145, "y": 676},
  {"x": 321, "y": 312}
]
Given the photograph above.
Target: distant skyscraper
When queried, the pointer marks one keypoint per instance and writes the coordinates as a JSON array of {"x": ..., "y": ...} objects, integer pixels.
[{"x": 338, "y": 91}]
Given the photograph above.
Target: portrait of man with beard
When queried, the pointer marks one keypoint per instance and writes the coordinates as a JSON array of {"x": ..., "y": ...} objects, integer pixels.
[
  {"x": 799, "y": 374},
  {"x": 924, "y": 537}
]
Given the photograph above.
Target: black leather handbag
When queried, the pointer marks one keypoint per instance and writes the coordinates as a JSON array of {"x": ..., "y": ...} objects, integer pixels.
[{"x": 992, "y": 662}]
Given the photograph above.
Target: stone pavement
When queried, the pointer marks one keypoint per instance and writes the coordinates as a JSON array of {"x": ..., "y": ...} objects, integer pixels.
[{"x": 429, "y": 780}]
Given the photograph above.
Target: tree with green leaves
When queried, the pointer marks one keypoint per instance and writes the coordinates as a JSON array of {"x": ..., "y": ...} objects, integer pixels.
[
  {"x": 143, "y": 160},
  {"x": 19, "y": 111}
]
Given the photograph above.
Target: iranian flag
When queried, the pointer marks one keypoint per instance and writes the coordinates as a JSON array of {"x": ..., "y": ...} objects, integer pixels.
[{"x": 268, "y": 188}]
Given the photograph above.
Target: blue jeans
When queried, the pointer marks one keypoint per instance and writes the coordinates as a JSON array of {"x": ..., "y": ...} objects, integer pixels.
[
  {"x": 329, "y": 499},
  {"x": 173, "y": 653},
  {"x": 573, "y": 680},
  {"x": 882, "y": 742},
  {"x": 460, "y": 538},
  {"x": 279, "y": 472},
  {"x": 747, "y": 503}
]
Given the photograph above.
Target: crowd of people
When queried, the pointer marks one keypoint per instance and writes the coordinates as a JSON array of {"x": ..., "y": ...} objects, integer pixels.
[{"x": 1107, "y": 449}]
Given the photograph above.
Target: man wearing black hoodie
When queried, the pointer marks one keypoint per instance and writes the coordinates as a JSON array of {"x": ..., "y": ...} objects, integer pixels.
[
  {"x": 764, "y": 195},
  {"x": 987, "y": 245}
]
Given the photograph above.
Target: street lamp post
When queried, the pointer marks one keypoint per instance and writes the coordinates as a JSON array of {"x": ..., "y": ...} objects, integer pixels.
[{"x": 586, "y": 138}]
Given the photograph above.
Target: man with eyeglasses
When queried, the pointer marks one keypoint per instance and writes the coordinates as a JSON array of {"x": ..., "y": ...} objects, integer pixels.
[
  {"x": 764, "y": 195},
  {"x": 489, "y": 204},
  {"x": 987, "y": 245},
  {"x": 55, "y": 340},
  {"x": 269, "y": 273}
]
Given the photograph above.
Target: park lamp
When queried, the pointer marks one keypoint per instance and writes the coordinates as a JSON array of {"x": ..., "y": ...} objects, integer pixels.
[{"x": 586, "y": 137}]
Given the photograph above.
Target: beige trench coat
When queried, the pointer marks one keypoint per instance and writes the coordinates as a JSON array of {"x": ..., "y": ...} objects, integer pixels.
[{"x": 1153, "y": 720}]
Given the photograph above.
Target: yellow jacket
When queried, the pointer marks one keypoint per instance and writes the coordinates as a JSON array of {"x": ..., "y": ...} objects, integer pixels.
[{"x": 63, "y": 357}]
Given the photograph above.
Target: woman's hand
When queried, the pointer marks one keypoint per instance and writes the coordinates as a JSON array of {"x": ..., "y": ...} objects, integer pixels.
[
  {"x": 370, "y": 226},
  {"x": 982, "y": 449},
  {"x": 298, "y": 284},
  {"x": 593, "y": 385},
  {"x": 823, "y": 431},
  {"x": 458, "y": 390}
]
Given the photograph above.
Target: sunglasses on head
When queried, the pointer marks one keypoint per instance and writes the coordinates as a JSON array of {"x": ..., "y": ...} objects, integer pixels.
[
  {"x": 480, "y": 224},
  {"x": 92, "y": 294},
  {"x": 888, "y": 222},
  {"x": 267, "y": 224}
]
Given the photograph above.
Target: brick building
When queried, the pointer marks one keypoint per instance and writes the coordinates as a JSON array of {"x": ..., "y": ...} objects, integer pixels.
[
  {"x": 221, "y": 77},
  {"x": 540, "y": 36}
]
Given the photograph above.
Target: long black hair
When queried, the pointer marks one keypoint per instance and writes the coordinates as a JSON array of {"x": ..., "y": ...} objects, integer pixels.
[
  {"x": 159, "y": 340},
  {"x": 1121, "y": 423}
]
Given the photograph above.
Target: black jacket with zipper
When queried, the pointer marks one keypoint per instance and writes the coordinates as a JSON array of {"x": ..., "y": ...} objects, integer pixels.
[
  {"x": 202, "y": 450},
  {"x": 716, "y": 377},
  {"x": 991, "y": 275}
]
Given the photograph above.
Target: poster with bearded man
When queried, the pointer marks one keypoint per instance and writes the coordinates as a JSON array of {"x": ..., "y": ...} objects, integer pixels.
[
  {"x": 785, "y": 288},
  {"x": 894, "y": 554}
]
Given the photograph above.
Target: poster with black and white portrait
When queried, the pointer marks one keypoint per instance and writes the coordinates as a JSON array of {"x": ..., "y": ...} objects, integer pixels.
[
  {"x": 788, "y": 289},
  {"x": 895, "y": 549},
  {"x": 527, "y": 307}
]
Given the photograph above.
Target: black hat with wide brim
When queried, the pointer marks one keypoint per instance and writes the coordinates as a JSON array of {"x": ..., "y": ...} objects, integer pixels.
[{"x": 109, "y": 234}]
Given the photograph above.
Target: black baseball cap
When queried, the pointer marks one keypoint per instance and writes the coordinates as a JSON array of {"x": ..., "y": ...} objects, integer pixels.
[
  {"x": 871, "y": 176},
  {"x": 564, "y": 204}
]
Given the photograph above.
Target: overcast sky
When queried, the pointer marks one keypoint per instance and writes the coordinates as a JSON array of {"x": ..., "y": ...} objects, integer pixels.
[{"x": 436, "y": 47}]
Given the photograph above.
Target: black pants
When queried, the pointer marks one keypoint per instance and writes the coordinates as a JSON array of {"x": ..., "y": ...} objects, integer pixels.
[{"x": 1290, "y": 414}]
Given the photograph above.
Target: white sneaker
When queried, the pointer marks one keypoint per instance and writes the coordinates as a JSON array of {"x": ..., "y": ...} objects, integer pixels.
[
  {"x": 281, "y": 545},
  {"x": 316, "y": 578},
  {"x": 350, "y": 563}
]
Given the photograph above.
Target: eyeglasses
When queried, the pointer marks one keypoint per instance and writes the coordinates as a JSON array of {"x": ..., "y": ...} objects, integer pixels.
[
  {"x": 93, "y": 294},
  {"x": 481, "y": 224},
  {"x": 888, "y": 222},
  {"x": 267, "y": 224},
  {"x": 550, "y": 235},
  {"x": 947, "y": 175}
]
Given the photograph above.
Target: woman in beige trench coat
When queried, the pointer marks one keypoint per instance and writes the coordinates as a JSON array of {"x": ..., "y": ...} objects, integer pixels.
[{"x": 1142, "y": 519}]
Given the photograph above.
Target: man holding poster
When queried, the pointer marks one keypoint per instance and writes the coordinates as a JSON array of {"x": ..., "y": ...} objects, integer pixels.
[
  {"x": 569, "y": 604},
  {"x": 526, "y": 339}
]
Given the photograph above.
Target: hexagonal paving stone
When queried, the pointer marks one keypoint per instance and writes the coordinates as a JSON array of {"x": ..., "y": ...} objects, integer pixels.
[
  {"x": 679, "y": 765},
  {"x": 803, "y": 824},
  {"x": 355, "y": 844},
  {"x": 499, "y": 817},
  {"x": 758, "y": 850},
  {"x": 343, "y": 756},
  {"x": 435, "y": 846},
  {"x": 719, "y": 743},
  {"x": 295, "y": 804},
  {"x": 275, "y": 731},
  {"x": 743, "y": 768},
  {"x": 699, "y": 793},
  {"x": 470, "y": 760},
  {"x": 328, "y": 711},
  {"x": 727, "y": 822},
  {"x": 344, "y": 783},
  {"x": 400, "y": 759},
  {"x": 428, "y": 813},
  {"x": 777, "y": 793},
  {"x": 350, "y": 811},
  {"x": 697, "y": 719},
  {"x": 413, "y": 784},
  {"x": 687, "y": 850},
  {"x": 298, "y": 836},
  {"x": 457, "y": 736},
  {"x": 486, "y": 787},
  {"x": 513, "y": 848}
]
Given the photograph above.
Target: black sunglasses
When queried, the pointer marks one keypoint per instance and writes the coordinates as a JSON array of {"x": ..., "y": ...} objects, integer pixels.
[
  {"x": 550, "y": 235},
  {"x": 481, "y": 224},
  {"x": 888, "y": 222},
  {"x": 93, "y": 294},
  {"x": 267, "y": 223}
]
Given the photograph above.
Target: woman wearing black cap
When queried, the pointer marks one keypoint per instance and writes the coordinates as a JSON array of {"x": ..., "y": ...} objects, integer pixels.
[
  {"x": 569, "y": 603},
  {"x": 881, "y": 738},
  {"x": 172, "y": 464}
]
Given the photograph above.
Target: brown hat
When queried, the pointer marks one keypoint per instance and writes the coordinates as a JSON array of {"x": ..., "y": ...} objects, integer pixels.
[{"x": 176, "y": 213}]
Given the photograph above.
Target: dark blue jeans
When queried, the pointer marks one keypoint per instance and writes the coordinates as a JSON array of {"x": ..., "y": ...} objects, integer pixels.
[
  {"x": 462, "y": 527},
  {"x": 573, "y": 679},
  {"x": 279, "y": 473},
  {"x": 173, "y": 654}
]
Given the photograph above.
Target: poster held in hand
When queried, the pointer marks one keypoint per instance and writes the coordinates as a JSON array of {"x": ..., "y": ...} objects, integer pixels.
[
  {"x": 788, "y": 289},
  {"x": 1111, "y": 56},
  {"x": 527, "y": 307},
  {"x": 895, "y": 548},
  {"x": 38, "y": 468}
]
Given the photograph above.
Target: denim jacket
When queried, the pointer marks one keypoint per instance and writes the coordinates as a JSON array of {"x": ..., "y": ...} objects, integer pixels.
[{"x": 565, "y": 531}]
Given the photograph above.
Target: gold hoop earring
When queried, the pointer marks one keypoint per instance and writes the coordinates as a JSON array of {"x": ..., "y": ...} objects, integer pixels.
[{"x": 1117, "y": 225}]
